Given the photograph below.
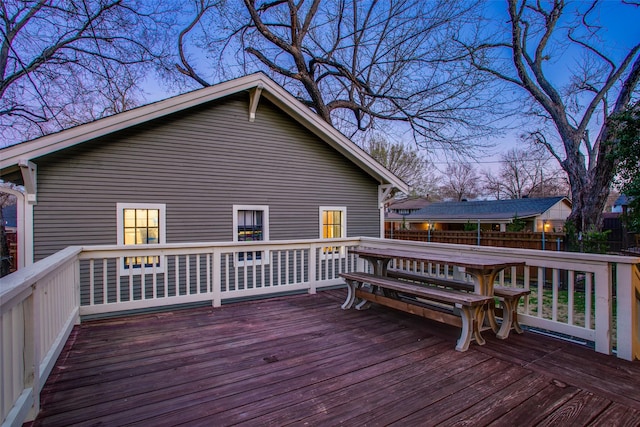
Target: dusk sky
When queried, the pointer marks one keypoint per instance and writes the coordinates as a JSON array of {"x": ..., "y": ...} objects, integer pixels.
[{"x": 620, "y": 31}]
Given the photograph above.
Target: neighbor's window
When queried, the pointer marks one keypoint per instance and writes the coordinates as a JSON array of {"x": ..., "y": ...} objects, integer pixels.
[
  {"x": 250, "y": 224},
  {"x": 141, "y": 224},
  {"x": 333, "y": 224}
]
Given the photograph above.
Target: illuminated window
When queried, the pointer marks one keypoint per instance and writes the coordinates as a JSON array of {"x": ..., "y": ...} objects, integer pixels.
[
  {"x": 333, "y": 223},
  {"x": 140, "y": 224},
  {"x": 250, "y": 224}
]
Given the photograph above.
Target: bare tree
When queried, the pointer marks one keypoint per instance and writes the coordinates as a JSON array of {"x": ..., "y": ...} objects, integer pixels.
[
  {"x": 460, "y": 182},
  {"x": 525, "y": 173},
  {"x": 357, "y": 64},
  {"x": 405, "y": 162},
  {"x": 63, "y": 63},
  {"x": 567, "y": 115}
]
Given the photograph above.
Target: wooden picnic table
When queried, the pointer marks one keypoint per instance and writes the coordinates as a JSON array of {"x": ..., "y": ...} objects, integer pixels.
[{"x": 483, "y": 270}]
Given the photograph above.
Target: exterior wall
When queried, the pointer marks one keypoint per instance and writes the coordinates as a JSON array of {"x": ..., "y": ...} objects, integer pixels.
[
  {"x": 559, "y": 211},
  {"x": 200, "y": 163},
  {"x": 554, "y": 217}
]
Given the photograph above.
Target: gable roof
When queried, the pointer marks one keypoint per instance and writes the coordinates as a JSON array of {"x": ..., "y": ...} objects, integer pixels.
[
  {"x": 409, "y": 203},
  {"x": 623, "y": 200},
  {"x": 486, "y": 209},
  {"x": 11, "y": 156}
]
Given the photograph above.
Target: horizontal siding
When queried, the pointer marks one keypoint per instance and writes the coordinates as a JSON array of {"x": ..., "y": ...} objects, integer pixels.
[{"x": 200, "y": 163}]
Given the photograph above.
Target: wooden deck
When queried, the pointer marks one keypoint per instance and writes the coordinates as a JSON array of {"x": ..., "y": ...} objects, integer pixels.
[{"x": 302, "y": 360}]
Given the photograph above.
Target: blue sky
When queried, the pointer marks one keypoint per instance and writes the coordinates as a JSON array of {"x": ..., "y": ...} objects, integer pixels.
[{"x": 621, "y": 30}]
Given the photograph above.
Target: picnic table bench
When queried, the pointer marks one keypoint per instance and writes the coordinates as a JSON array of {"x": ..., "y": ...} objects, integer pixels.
[
  {"x": 509, "y": 298},
  {"x": 467, "y": 308}
]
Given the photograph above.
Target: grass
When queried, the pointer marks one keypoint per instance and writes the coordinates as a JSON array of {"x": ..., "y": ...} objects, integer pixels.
[{"x": 562, "y": 315}]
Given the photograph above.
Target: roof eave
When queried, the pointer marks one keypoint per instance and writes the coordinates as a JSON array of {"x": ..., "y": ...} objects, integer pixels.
[{"x": 271, "y": 90}]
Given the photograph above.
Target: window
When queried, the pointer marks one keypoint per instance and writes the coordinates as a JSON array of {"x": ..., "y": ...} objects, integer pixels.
[
  {"x": 140, "y": 224},
  {"x": 250, "y": 224},
  {"x": 333, "y": 224}
]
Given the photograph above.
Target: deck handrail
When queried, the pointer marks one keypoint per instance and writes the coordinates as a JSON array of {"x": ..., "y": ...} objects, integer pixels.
[
  {"x": 40, "y": 304},
  {"x": 30, "y": 342}
]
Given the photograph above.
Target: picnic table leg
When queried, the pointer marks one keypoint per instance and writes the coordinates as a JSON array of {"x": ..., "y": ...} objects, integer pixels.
[
  {"x": 363, "y": 305},
  {"x": 509, "y": 318},
  {"x": 484, "y": 286},
  {"x": 491, "y": 317},
  {"x": 351, "y": 294},
  {"x": 470, "y": 328}
]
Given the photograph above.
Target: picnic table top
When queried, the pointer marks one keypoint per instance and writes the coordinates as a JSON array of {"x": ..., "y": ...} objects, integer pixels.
[{"x": 462, "y": 260}]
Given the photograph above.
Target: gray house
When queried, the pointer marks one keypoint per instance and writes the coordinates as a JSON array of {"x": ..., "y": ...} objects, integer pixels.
[
  {"x": 241, "y": 160},
  {"x": 545, "y": 213}
]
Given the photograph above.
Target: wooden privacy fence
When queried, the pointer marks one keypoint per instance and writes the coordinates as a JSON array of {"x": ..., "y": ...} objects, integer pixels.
[{"x": 520, "y": 239}]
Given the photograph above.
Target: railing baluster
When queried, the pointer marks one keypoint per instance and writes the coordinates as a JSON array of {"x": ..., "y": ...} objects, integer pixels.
[
  {"x": 154, "y": 279},
  {"x": 176, "y": 261},
  {"x": 571, "y": 296},
  {"x": 187, "y": 274},
  {"x": 540, "y": 291},
  {"x": 105, "y": 282},
  {"x": 287, "y": 267},
  {"x": 588, "y": 290},
  {"x": 526, "y": 277},
  {"x": 555, "y": 294},
  {"x": 143, "y": 282},
  {"x": 197, "y": 273},
  {"x": 91, "y": 282}
]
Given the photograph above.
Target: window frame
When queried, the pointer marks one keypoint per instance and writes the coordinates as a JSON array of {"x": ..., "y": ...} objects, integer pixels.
[
  {"x": 264, "y": 258},
  {"x": 343, "y": 225},
  {"x": 125, "y": 270}
]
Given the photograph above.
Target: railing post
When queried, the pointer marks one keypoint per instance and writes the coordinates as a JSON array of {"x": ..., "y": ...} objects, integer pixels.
[
  {"x": 31, "y": 350},
  {"x": 603, "y": 282},
  {"x": 77, "y": 284},
  {"x": 313, "y": 274},
  {"x": 628, "y": 311},
  {"x": 216, "y": 279}
]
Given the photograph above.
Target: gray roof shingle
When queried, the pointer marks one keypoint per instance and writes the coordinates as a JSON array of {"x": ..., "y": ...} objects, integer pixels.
[{"x": 486, "y": 209}]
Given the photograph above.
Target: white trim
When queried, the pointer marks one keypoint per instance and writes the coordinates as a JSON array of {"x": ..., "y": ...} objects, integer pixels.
[
  {"x": 29, "y": 172},
  {"x": 24, "y": 229},
  {"x": 271, "y": 90},
  {"x": 162, "y": 208},
  {"x": 343, "y": 228},
  {"x": 253, "y": 102},
  {"x": 342, "y": 209},
  {"x": 264, "y": 259}
]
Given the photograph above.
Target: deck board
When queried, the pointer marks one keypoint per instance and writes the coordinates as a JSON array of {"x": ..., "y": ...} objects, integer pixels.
[{"x": 303, "y": 360}]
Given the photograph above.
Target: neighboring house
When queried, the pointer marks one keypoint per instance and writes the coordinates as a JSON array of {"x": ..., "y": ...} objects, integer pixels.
[
  {"x": 241, "y": 160},
  {"x": 549, "y": 213},
  {"x": 621, "y": 203},
  {"x": 408, "y": 205}
]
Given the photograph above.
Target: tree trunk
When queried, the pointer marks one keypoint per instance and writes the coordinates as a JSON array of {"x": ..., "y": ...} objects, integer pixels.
[{"x": 590, "y": 188}]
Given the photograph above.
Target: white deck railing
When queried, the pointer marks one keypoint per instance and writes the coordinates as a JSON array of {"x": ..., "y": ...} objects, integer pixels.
[{"x": 594, "y": 298}]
